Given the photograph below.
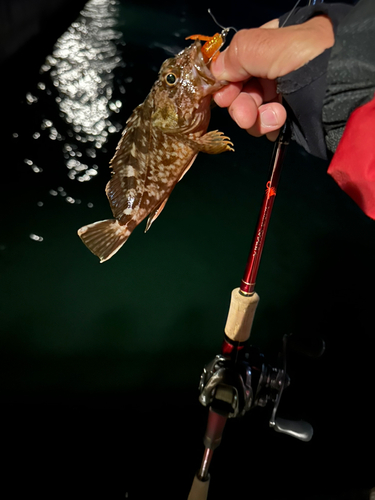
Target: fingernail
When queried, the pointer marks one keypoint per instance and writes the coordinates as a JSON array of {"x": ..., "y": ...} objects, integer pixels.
[{"x": 268, "y": 118}]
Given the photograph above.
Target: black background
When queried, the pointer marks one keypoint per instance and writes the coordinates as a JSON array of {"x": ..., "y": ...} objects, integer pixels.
[{"x": 100, "y": 363}]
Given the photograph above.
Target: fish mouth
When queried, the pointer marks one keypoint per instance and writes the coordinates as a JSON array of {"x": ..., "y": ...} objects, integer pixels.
[{"x": 210, "y": 84}]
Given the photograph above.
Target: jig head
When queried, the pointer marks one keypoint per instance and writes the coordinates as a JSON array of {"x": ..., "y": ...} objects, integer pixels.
[{"x": 211, "y": 48}]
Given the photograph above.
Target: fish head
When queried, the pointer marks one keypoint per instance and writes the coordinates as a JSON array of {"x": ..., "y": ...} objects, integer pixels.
[{"x": 183, "y": 91}]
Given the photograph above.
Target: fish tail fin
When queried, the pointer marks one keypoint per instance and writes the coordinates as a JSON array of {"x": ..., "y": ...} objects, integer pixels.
[{"x": 104, "y": 238}]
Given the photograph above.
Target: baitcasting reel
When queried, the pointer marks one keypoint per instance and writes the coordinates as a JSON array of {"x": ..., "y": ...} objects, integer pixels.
[{"x": 233, "y": 384}]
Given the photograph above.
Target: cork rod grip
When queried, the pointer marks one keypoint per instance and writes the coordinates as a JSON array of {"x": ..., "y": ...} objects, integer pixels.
[
  {"x": 241, "y": 315},
  {"x": 199, "y": 489}
]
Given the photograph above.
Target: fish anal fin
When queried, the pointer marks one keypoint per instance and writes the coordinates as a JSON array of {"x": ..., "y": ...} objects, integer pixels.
[
  {"x": 188, "y": 167},
  {"x": 214, "y": 142},
  {"x": 104, "y": 238},
  {"x": 155, "y": 214},
  {"x": 158, "y": 210}
]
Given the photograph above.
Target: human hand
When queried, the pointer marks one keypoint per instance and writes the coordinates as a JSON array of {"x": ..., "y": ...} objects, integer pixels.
[{"x": 253, "y": 61}]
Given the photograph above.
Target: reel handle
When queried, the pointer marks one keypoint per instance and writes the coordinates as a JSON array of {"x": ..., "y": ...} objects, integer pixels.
[
  {"x": 295, "y": 428},
  {"x": 298, "y": 429}
]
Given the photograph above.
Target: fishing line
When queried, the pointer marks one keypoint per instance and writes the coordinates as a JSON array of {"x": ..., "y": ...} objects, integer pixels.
[
  {"x": 220, "y": 26},
  {"x": 290, "y": 13},
  {"x": 233, "y": 28}
]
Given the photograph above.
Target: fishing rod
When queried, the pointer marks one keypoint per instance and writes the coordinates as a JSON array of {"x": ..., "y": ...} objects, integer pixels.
[{"x": 239, "y": 379}]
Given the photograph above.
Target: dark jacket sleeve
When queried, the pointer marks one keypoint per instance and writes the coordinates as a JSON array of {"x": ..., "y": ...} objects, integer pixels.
[
  {"x": 351, "y": 70},
  {"x": 335, "y": 83}
]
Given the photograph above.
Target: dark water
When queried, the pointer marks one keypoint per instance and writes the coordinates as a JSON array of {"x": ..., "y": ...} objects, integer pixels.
[{"x": 100, "y": 363}]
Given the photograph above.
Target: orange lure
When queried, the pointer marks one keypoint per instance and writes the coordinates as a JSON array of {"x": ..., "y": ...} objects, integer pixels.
[{"x": 210, "y": 49}]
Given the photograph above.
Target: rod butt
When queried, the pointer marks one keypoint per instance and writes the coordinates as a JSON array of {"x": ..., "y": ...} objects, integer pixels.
[{"x": 199, "y": 489}]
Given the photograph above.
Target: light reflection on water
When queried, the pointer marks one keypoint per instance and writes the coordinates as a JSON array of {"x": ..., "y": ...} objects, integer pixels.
[
  {"x": 35, "y": 237},
  {"x": 75, "y": 104},
  {"x": 81, "y": 69},
  {"x": 79, "y": 77}
]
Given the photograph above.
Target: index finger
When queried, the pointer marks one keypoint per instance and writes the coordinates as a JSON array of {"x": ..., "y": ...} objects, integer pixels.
[{"x": 271, "y": 25}]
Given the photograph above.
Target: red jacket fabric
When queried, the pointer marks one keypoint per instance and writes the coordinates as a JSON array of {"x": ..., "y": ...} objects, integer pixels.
[
  {"x": 353, "y": 164},
  {"x": 330, "y": 87}
]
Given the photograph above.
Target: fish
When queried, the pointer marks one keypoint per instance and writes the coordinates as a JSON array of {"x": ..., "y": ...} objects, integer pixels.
[{"x": 159, "y": 144}]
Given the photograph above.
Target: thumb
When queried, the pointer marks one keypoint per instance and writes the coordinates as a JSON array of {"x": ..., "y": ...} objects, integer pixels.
[
  {"x": 250, "y": 53},
  {"x": 268, "y": 52}
]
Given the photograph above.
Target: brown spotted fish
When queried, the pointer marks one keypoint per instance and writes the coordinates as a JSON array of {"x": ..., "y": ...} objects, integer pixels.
[{"x": 160, "y": 142}]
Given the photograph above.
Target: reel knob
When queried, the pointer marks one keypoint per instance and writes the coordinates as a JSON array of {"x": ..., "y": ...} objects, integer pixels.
[
  {"x": 298, "y": 429},
  {"x": 295, "y": 428}
]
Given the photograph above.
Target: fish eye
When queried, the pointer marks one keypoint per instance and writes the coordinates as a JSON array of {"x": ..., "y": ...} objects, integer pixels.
[{"x": 171, "y": 79}]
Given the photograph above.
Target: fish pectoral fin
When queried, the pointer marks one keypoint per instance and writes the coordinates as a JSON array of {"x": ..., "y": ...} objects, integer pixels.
[
  {"x": 214, "y": 142},
  {"x": 155, "y": 214},
  {"x": 104, "y": 238}
]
